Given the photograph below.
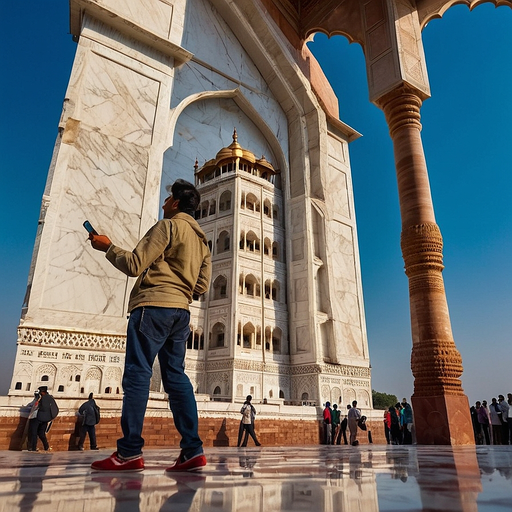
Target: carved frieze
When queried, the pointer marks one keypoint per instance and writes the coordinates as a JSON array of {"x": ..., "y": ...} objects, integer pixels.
[{"x": 71, "y": 339}]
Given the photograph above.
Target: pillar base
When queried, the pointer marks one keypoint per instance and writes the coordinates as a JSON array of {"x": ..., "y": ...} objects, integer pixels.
[{"x": 443, "y": 419}]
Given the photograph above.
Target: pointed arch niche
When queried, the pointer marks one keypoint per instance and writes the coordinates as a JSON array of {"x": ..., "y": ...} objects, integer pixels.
[{"x": 202, "y": 123}]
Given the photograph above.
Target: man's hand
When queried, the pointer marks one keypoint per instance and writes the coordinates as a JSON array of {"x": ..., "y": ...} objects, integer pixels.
[{"x": 100, "y": 242}]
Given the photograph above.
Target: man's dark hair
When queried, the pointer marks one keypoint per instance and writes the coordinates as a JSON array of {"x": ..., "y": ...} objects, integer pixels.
[{"x": 187, "y": 195}]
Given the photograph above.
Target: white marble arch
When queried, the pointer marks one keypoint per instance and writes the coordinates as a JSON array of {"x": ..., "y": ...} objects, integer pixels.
[{"x": 253, "y": 115}]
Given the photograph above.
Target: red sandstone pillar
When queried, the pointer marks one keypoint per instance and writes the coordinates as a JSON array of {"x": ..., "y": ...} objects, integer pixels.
[{"x": 441, "y": 410}]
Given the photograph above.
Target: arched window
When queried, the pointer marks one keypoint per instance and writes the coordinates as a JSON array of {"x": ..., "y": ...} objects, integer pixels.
[
  {"x": 77, "y": 378},
  {"x": 276, "y": 214},
  {"x": 267, "y": 247},
  {"x": 275, "y": 291},
  {"x": 281, "y": 393},
  {"x": 276, "y": 340},
  {"x": 248, "y": 335},
  {"x": 304, "y": 397},
  {"x": 268, "y": 287},
  {"x": 223, "y": 242},
  {"x": 204, "y": 209},
  {"x": 251, "y": 286},
  {"x": 225, "y": 201},
  {"x": 18, "y": 385},
  {"x": 275, "y": 251},
  {"x": 45, "y": 378},
  {"x": 216, "y": 392},
  {"x": 252, "y": 242},
  {"x": 267, "y": 208},
  {"x": 218, "y": 334},
  {"x": 108, "y": 390},
  {"x": 220, "y": 288},
  {"x": 252, "y": 203},
  {"x": 61, "y": 389},
  {"x": 212, "y": 207}
]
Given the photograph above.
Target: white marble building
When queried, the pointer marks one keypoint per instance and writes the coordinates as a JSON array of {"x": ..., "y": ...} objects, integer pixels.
[{"x": 155, "y": 86}]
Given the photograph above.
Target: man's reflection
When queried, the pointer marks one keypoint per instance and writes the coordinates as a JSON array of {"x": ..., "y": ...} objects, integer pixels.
[
  {"x": 187, "y": 486},
  {"x": 247, "y": 462},
  {"x": 125, "y": 488}
]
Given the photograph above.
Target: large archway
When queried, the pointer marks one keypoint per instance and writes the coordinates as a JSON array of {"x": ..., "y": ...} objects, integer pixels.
[{"x": 475, "y": 225}]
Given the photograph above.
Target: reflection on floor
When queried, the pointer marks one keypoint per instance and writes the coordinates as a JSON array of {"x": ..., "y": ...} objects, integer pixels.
[{"x": 310, "y": 478}]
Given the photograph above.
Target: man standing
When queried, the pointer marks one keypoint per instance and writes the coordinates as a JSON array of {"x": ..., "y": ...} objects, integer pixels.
[
  {"x": 495, "y": 414},
  {"x": 407, "y": 421},
  {"x": 505, "y": 413},
  {"x": 335, "y": 417},
  {"x": 354, "y": 414},
  {"x": 327, "y": 423},
  {"x": 90, "y": 415},
  {"x": 172, "y": 263},
  {"x": 47, "y": 411}
]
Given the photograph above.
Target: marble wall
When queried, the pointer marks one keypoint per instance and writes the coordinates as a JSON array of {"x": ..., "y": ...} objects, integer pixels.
[{"x": 155, "y": 86}]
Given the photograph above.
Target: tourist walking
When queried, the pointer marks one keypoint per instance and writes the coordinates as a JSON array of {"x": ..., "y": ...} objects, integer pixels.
[
  {"x": 343, "y": 426},
  {"x": 47, "y": 411},
  {"x": 248, "y": 416},
  {"x": 505, "y": 414},
  {"x": 173, "y": 264},
  {"x": 387, "y": 426},
  {"x": 327, "y": 415},
  {"x": 335, "y": 418},
  {"x": 484, "y": 420},
  {"x": 495, "y": 413},
  {"x": 407, "y": 421},
  {"x": 354, "y": 415},
  {"x": 89, "y": 414},
  {"x": 396, "y": 433}
]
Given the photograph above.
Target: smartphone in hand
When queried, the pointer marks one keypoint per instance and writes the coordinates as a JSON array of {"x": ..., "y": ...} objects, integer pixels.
[{"x": 89, "y": 228}]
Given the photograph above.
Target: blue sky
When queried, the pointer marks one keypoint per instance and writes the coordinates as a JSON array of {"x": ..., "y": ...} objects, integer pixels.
[{"x": 466, "y": 134}]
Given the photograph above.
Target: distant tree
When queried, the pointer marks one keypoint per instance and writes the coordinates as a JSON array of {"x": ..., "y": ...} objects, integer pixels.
[{"x": 383, "y": 400}]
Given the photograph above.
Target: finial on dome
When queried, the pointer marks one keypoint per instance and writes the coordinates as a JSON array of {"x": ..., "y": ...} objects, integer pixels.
[
  {"x": 196, "y": 165},
  {"x": 235, "y": 135}
]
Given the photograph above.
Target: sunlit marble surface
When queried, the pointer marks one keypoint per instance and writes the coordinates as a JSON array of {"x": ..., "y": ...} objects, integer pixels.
[{"x": 309, "y": 478}]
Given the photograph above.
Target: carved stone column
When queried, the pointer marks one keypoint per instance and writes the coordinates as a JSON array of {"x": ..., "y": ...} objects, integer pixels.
[{"x": 441, "y": 410}]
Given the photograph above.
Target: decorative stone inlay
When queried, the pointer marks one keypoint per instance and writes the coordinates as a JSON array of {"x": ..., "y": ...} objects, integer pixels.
[
  {"x": 81, "y": 340},
  {"x": 356, "y": 383},
  {"x": 343, "y": 369},
  {"x": 194, "y": 365}
]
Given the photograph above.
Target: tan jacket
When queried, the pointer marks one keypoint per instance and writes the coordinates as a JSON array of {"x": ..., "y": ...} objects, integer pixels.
[{"x": 172, "y": 263}]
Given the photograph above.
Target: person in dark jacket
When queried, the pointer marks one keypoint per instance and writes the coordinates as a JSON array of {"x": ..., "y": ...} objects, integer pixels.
[
  {"x": 47, "y": 411},
  {"x": 89, "y": 412}
]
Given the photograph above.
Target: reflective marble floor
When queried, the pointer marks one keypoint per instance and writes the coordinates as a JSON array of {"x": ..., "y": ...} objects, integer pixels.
[{"x": 300, "y": 479}]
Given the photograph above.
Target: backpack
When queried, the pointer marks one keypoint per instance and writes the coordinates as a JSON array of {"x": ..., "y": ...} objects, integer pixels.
[
  {"x": 97, "y": 414},
  {"x": 54, "y": 408}
]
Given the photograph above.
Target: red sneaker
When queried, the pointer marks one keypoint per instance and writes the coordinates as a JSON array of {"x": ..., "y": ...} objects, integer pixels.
[
  {"x": 194, "y": 464},
  {"x": 114, "y": 463}
]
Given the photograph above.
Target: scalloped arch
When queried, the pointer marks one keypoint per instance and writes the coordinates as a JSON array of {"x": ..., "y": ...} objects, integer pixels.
[
  {"x": 310, "y": 35},
  {"x": 430, "y": 10}
]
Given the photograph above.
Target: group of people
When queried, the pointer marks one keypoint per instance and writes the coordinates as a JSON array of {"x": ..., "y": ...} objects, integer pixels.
[
  {"x": 493, "y": 424},
  {"x": 43, "y": 409},
  {"x": 398, "y": 423},
  {"x": 335, "y": 427}
]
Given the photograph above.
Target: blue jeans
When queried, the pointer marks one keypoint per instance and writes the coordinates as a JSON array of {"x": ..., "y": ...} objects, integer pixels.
[{"x": 164, "y": 332}]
